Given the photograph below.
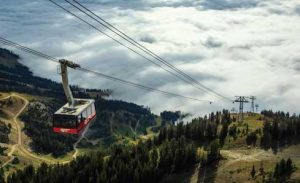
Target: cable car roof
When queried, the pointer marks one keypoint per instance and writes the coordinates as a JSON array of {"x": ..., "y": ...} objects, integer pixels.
[{"x": 81, "y": 105}]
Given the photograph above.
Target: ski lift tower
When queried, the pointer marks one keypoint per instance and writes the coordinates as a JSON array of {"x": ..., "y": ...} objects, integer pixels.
[{"x": 241, "y": 100}]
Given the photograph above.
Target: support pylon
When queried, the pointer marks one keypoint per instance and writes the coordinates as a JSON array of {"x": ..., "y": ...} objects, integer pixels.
[
  {"x": 232, "y": 110},
  {"x": 252, "y": 98},
  {"x": 256, "y": 106},
  {"x": 241, "y": 100}
]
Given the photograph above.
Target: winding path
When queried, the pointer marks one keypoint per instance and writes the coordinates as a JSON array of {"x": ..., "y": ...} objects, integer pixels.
[
  {"x": 19, "y": 146},
  {"x": 239, "y": 156},
  {"x": 10, "y": 153}
]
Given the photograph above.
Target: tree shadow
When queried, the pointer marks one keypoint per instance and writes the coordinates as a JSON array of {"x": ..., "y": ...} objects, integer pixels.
[
  {"x": 207, "y": 173},
  {"x": 182, "y": 177}
]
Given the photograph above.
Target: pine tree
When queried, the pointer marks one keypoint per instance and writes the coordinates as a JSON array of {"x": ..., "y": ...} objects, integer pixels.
[
  {"x": 223, "y": 132},
  {"x": 253, "y": 172},
  {"x": 266, "y": 138},
  {"x": 289, "y": 166},
  {"x": 251, "y": 139},
  {"x": 214, "y": 152},
  {"x": 187, "y": 131},
  {"x": 154, "y": 158},
  {"x": 170, "y": 133},
  {"x": 232, "y": 131},
  {"x": 1, "y": 175},
  {"x": 276, "y": 174},
  {"x": 209, "y": 132},
  {"x": 136, "y": 177},
  {"x": 282, "y": 168},
  {"x": 177, "y": 161},
  {"x": 179, "y": 130}
]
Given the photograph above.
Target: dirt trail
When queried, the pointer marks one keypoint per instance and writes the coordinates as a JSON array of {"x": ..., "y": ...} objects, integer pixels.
[
  {"x": 19, "y": 146},
  {"x": 31, "y": 155},
  {"x": 5, "y": 98},
  {"x": 236, "y": 156},
  {"x": 15, "y": 116}
]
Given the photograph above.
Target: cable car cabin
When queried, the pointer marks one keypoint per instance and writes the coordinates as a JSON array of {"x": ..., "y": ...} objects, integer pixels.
[{"x": 73, "y": 119}]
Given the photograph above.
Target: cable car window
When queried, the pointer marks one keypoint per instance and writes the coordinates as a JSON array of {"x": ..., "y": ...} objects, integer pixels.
[
  {"x": 56, "y": 120},
  {"x": 84, "y": 115},
  {"x": 70, "y": 122},
  {"x": 64, "y": 121},
  {"x": 89, "y": 111},
  {"x": 93, "y": 109},
  {"x": 79, "y": 118}
]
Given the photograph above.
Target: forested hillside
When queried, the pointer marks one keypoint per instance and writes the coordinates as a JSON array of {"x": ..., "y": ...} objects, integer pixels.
[
  {"x": 177, "y": 148},
  {"x": 8, "y": 58},
  {"x": 118, "y": 118},
  {"x": 16, "y": 77},
  {"x": 280, "y": 130},
  {"x": 202, "y": 130},
  {"x": 142, "y": 163},
  {"x": 174, "y": 150}
]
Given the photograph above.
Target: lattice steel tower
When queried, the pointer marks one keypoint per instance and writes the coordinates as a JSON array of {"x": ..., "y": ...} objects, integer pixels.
[
  {"x": 256, "y": 106},
  {"x": 241, "y": 100},
  {"x": 252, "y": 98}
]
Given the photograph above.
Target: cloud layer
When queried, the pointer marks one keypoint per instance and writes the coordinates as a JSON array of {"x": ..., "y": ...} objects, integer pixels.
[{"x": 234, "y": 47}]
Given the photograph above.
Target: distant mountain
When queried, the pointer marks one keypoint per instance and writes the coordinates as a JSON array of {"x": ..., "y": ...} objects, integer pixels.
[
  {"x": 17, "y": 77},
  {"x": 8, "y": 58},
  {"x": 14, "y": 76}
]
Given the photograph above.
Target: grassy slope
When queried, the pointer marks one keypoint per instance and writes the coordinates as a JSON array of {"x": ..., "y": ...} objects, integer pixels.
[
  {"x": 149, "y": 130},
  {"x": 238, "y": 160},
  {"x": 253, "y": 123}
]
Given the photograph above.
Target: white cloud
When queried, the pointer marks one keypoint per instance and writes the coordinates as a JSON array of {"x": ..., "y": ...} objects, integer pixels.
[{"x": 234, "y": 47}]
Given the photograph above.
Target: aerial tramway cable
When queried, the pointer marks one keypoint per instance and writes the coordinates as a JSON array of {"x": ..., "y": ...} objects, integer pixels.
[
  {"x": 183, "y": 76},
  {"x": 139, "y": 46},
  {"x": 117, "y": 40},
  {"x": 149, "y": 52},
  {"x": 53, "y": 59}
]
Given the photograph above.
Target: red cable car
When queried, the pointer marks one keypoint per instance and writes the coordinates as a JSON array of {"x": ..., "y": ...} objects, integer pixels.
[
  {"x": 73, "y": 121},
  {"x": 74, "y": 116}
]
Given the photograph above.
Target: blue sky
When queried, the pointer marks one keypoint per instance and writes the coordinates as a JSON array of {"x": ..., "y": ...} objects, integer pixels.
[{"x": 235, "y": 47}]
